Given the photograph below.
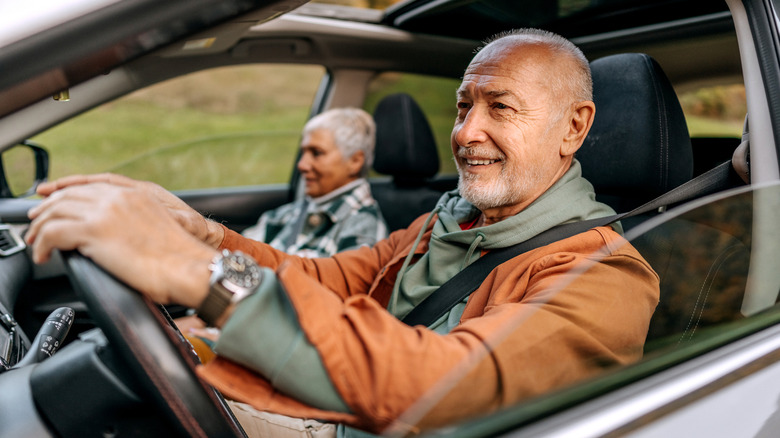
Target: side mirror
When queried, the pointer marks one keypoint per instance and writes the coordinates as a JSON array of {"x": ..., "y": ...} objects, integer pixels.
[{"x": 22, "y": 168}]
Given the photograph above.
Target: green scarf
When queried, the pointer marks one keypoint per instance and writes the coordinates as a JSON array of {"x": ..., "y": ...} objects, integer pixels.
[{"x": 451, "y": 249}]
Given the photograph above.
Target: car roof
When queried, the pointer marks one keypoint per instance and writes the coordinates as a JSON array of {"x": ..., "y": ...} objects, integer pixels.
[
  {"x": 694, "y": 40},
  {"x": 481, "y": 18}
]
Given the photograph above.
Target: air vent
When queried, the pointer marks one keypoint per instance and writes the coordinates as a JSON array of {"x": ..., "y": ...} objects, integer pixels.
[{"x": 10, "y": 242}]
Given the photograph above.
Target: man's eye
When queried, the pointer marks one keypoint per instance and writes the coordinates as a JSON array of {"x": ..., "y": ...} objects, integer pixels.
[
  {"x": 463, "y": 105},
  {"x": 499, "y": 105}
]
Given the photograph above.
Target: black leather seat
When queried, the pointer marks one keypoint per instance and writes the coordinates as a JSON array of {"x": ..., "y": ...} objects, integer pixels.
[
  {"x": 406, "y": 151},
  {"x": 639, "y": 148}
]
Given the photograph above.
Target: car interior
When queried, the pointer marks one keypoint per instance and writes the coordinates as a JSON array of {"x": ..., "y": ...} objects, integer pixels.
[{"x": 638, "y": 149}]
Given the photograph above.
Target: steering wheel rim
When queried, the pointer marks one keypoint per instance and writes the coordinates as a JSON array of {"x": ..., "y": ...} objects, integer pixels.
[{"x": 161, "y": 363}]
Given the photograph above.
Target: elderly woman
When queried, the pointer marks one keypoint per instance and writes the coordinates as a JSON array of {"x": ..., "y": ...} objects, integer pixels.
[{"x": 338, "y": 212}]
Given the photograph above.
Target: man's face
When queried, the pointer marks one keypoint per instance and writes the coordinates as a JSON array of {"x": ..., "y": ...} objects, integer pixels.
[
  {"x": 322, "y": 165},
  {"x": 507, "y": 135}
]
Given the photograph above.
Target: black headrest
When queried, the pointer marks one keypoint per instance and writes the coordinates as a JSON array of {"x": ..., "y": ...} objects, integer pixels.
[
  {"x": 639, "y": 146},
  {"x": 405, "y": 146}
]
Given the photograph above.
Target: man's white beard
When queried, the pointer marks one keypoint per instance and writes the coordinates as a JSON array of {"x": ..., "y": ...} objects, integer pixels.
[{"x": 508, "y": 188}]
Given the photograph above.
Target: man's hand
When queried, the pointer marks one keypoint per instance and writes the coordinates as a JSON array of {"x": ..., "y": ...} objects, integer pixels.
[
  {"x": 127, "y": 229},
  {"x": 206, "y": 230}
]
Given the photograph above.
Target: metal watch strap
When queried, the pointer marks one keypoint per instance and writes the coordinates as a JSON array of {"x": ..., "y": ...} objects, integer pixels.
[
  {"x": 234, "y": 276},
  {"x": 215, "y": 304}
]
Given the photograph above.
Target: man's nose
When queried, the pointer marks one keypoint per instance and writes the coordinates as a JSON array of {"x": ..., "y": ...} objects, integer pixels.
[{"x": 471, "y": 130}]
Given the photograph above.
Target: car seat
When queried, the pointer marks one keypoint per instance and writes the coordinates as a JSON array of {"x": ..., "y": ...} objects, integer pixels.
[
  {"x": 406, "y": 151},
  {"x": 638, "y": 149}
]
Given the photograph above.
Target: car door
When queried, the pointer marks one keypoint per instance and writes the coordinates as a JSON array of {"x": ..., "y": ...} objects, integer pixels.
[{"x": 711, "y": 369}]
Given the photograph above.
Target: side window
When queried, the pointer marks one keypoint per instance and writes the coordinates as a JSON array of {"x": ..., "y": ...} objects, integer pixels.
[
  {"x": 436, "y": 96},
  {"x": 716, "y": 111},
  {"x": 715, "y": 117},
  {"x": 229, "y": 126}
]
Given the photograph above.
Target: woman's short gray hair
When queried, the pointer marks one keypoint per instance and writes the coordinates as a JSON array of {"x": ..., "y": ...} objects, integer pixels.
[{"x": 353, "y": 130}]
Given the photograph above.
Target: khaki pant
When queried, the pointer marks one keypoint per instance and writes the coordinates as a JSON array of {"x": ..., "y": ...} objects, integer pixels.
[{"x": 258, "y": 424}]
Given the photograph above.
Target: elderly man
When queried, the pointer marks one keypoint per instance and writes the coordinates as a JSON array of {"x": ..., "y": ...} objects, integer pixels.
[
  {"x": 338, "y": 212},
  {"x": 321, "y": 338}
]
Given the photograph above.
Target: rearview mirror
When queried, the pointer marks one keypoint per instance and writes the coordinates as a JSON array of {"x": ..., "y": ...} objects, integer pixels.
[{"x": 22, "y": 168}]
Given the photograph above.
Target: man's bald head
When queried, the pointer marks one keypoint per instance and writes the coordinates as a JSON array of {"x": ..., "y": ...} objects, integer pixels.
[{"x": 568, "y": 73}]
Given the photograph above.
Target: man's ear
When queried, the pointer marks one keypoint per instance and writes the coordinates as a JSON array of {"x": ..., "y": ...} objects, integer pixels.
[
  {"x": 355, "y": 163},
  {"x": 580, "y": 121}
]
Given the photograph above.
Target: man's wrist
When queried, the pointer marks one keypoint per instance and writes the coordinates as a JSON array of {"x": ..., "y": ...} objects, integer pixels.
[
  {"x": 192, "y": 286},
  {"x": 215, "y": 233}
]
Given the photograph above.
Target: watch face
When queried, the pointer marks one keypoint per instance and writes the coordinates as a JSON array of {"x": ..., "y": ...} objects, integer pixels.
[{"x": 241, "y": 271}]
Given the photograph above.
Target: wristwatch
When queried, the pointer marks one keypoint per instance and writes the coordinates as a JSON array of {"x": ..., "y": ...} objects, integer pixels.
[{"x": 234, "y": 276}]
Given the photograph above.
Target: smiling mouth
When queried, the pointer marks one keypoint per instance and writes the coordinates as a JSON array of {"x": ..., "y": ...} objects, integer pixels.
[{"x": 473, "y": 162}]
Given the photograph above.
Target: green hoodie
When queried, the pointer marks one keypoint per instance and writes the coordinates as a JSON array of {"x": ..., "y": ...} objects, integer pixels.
[{"x": 570, "y": 199}]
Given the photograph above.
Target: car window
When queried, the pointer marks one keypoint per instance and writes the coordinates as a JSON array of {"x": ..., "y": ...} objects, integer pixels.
[
  {"x": 715, "y": 111},
  {"x": 715, "y": 115},
  {"x": 436, "y": 97},
  {"x": 230, "y": 126},
  {"x": 718, "y": 282}
]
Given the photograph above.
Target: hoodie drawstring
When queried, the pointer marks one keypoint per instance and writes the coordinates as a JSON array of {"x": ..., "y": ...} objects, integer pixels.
[
  {"x": 397, "y": 285},
  {"x": 479, "y": 238}
]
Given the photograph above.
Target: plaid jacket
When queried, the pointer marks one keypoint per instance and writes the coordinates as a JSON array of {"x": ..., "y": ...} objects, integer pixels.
[{"x": 346, "y": 218}]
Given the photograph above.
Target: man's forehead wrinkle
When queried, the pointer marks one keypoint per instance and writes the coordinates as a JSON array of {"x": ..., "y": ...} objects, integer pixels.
[
  {"x": 472, "y": 89},
  {"x": 489, "y": 85},
  {"x": 493, "y": 67},
  {"x": 499, "y": 93}
]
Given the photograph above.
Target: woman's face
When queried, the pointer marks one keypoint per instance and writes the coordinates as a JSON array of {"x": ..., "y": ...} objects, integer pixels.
[{"x": 322, "y": 165}]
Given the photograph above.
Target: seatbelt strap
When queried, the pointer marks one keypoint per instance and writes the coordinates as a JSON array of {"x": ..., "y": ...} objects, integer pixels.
[{"x": 465, "y": 282}]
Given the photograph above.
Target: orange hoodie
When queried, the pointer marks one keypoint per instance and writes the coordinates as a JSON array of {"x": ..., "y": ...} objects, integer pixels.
[{"x": 547, "y": 318}]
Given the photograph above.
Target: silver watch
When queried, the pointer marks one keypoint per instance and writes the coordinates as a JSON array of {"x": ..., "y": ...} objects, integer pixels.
[{"x": 234, "y": 276}]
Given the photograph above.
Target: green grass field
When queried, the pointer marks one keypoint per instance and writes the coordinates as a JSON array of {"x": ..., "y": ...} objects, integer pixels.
[
  {"x": 704, "y": 127},
  {"x": 226, "y": 127}
]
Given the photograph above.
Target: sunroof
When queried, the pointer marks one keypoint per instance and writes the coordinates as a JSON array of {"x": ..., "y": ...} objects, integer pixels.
[{"x": 481, "y": 18}]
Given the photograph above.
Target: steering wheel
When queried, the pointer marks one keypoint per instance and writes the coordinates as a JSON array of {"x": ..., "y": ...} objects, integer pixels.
[{"x": 155, "y": 352}]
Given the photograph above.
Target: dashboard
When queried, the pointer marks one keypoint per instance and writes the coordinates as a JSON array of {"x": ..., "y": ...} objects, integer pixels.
[{"x": 15, "y": 273}]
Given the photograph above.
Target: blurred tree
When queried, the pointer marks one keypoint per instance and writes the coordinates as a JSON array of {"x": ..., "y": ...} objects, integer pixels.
[{"x": 721, "y": 102}]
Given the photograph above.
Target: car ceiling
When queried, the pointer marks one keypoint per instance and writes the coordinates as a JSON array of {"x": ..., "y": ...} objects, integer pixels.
[
  {"x": 478, "y": 19},
  {"x": 693, "y": 40}
]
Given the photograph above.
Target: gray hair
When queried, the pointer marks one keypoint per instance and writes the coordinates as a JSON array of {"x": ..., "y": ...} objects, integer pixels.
[
  {"x": 581, "y": 84},
  {"x": 353, "y": 130}
]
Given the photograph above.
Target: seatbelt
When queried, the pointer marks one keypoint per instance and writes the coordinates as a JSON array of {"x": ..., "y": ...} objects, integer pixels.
[{"x": 468, "y": 280}]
